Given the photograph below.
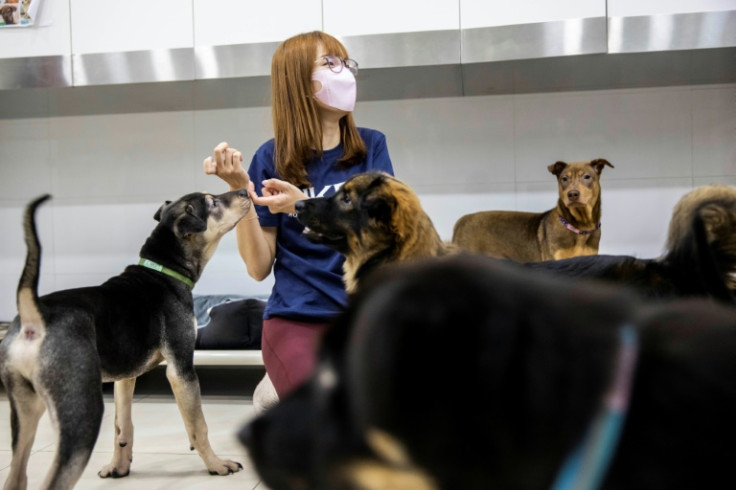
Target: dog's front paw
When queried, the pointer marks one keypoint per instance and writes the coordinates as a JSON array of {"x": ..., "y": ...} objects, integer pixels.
[
  {"x": 225, "y": 467},
  {"x": 113, "y": 471}
]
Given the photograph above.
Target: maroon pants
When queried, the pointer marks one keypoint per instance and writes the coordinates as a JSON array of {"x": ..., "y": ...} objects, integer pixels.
[{"x": 289, "y": 351}]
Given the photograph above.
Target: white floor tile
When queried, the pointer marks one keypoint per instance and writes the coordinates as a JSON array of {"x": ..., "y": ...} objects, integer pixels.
[{"x": 161, "y": 455}]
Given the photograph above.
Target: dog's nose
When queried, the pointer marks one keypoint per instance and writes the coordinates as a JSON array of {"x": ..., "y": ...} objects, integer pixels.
[
  {"x": 298, "y": 206},
  {"x": 573, "y": 195}
]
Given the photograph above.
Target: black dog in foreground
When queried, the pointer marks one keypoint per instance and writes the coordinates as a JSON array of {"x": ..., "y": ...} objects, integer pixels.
[
  {"x": 700, "y": 257},
  {"x": 468, "y": 373},
  {"x": 62, "y": 346}
]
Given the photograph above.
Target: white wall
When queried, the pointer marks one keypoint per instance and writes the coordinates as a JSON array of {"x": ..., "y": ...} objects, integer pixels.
[{"x": 109, "y": 173}]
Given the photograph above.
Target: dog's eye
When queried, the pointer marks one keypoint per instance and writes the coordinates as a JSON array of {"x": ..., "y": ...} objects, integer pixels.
[
  {"x": 190, "y": 209},
  {"x": 564, "y": 179},
  {"x": 345, "y": 199},
  {"x": 587, "y": 177}
]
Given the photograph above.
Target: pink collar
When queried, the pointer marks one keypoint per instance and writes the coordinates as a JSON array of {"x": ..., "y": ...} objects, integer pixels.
[{"x": 570, "y": 227}]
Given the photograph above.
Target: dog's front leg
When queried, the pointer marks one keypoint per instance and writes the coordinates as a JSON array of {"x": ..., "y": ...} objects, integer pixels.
[
  {"x": 185, "y": 385},
  {"x": 123, "y": 446}
]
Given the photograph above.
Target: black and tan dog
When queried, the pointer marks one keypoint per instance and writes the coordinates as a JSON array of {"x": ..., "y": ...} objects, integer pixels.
[
  {"x": 570, "y": 229},
  {"x": 700, "y": 256},
  {"x": 62, "y": 346},
  {"x": 612, "y": 395},
  {"x": 373, "y": 220}
]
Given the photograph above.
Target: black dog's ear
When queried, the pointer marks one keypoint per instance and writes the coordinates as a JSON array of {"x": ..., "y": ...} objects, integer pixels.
[
  {"x": 599, "y": 163},
  {"x": 189, "y": 224},
  {"x": 160, "y": 211},
  {"x": 557, "y": 168}
]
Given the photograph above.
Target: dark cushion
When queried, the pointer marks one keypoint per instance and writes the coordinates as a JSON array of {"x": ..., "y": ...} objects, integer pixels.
[{"x": 228, "y": 322}]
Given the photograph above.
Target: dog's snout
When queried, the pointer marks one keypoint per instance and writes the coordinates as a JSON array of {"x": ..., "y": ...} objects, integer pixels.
[
  {"x": 299, "y": 205},
  {"x": 573, "y": 195}
]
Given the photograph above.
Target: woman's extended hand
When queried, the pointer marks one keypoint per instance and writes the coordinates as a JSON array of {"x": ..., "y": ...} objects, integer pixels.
[
  {"x": 226, "y": 164},
  {"x": 278, "y": 195}
]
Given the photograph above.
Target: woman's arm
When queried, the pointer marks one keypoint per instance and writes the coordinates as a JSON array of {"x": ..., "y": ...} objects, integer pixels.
[{"x": 256, "y": 245}]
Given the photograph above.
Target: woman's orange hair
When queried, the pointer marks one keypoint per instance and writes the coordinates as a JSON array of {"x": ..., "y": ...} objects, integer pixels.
[{"x": 296, "y": 122}]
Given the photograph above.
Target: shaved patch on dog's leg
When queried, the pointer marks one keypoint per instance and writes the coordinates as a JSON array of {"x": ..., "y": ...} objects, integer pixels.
[{"x": 123, "y": 443}]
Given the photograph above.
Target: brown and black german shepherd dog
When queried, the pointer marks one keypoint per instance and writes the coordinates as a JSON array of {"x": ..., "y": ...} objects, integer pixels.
[
  {"x": 373, "y": 220},
  {"x": 700, "y": 256},
  {"x": 570, "y": 229}
]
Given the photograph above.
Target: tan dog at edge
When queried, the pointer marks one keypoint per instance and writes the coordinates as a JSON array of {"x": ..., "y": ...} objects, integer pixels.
[{"x": 570, "y": 229}]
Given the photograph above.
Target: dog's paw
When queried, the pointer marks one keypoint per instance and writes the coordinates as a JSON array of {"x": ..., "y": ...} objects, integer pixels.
[
  {"x": 112, "y": 471},
  {"x": 226, "y": 467}
]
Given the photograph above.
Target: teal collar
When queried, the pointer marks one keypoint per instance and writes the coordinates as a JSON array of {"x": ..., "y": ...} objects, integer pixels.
[
  {"x": 586, "y": 467},
  {"x": 165, "y": 270}
]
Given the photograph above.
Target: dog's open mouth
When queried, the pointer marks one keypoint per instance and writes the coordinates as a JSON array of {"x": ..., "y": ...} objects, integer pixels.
[{"x": 331, "y": 240}]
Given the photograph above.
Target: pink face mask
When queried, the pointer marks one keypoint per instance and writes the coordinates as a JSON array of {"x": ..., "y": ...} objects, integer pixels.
[{"x": 338, "y": 89}]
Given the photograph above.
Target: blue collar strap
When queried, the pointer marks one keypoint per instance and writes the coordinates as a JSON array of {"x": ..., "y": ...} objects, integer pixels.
[
  {"x": 165, "y": 270},
  {"x": 586, "y": 466}
]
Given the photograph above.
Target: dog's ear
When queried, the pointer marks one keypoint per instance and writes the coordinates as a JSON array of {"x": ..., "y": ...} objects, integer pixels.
[
  {"x": 380, "y": 208},
  {"x": 599, "y": 163},
  {"x": 189, "y": 223},
  {"x": 557, "y": 168},
  {"x": 160, "y": 211}
]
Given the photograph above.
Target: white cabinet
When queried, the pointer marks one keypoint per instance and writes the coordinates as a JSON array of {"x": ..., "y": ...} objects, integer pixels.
[
  {"x": 49, "y": 36},
  {"x": 631, "y": 8},
  {"x": 499, "y": 31},
  {"x": 121, "y": 42},
  {"x": 482, "y": 13},
  {"x": 390, "y": 33},
  {"x": 233, "y": 38},
  {"x": 225, "y": 22},
  {"x": 38, "y": 56},
  {"x": 670, "y": 25},
  {"x": 111, "y": 26},
  {"x": 358, "y": 18}
]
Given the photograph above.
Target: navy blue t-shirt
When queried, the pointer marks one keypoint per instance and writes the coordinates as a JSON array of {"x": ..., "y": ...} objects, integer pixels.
[{"x": 308, "y": 277}]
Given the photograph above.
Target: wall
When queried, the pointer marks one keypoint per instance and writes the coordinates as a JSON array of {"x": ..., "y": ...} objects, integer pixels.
[{"x": 108, "y": 173}]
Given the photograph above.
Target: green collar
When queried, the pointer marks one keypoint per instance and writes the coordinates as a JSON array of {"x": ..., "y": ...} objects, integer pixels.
[{"x": 165, "y": 270}]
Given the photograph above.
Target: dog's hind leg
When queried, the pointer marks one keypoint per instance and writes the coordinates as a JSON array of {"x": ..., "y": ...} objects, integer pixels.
[
  {"x": 123, "y": 445},
  {"x": 26, "y": 408},
  {"x": 185, "y": 385},
  {"x": 76, "y": 410}
]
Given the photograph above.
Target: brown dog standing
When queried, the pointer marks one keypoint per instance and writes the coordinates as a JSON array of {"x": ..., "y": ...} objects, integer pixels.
[{"x": 568, "y": 230}]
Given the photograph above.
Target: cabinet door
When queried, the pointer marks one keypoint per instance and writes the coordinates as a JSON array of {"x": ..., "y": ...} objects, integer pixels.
[
  {"x": 498, "y": 31},
  {"x": 40, "y": 55},
  {"x": 233, "y": 38},
  {"x": 123, "y": 42},
  {"x": 387, "y": 33},
  {"x": 111, "y": 26},
  {"x": 664, "y": 25},
  {"x": 49, "y": 36}
]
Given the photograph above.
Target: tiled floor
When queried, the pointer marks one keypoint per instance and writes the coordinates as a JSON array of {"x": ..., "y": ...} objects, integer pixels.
[{"x": 161, "y": 455}]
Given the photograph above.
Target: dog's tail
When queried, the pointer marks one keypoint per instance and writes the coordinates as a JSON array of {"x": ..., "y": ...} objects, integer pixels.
[
  {"x": 27, "y": 298},
  {"x": 702, "y": 238}
]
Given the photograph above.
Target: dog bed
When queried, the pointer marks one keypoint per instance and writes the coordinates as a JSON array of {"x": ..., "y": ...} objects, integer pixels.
[{"x": 228, "y": 322}]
